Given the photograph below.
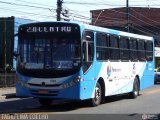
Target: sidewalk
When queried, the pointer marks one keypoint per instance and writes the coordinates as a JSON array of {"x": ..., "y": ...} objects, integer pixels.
[{"x": 7, "y": 92}]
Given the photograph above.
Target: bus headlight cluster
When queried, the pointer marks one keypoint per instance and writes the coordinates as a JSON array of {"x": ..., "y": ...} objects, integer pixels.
[
  {"x": 22, "y": 82},
  {"x": 71, "y": 83}
]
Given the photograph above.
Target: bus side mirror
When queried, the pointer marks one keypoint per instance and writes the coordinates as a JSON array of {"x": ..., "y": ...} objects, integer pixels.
[
  {"x": 15, "y": 34},
  {"x": 15, "y": 52}
]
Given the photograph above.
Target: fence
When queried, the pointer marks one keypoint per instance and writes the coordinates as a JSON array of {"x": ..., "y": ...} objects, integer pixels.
[{"x": 7, "y": 79}]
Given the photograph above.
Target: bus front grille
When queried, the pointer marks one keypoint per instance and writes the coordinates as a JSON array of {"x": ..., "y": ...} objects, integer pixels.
[
  {"x": 48, "y": 85},
  {"x": 40, "y": 93}
]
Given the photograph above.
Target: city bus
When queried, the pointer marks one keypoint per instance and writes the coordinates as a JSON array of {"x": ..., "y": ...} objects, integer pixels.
[{"x": 77, "y": 61}]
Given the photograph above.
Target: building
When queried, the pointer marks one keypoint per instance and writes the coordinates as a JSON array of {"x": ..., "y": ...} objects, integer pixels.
[
  {"x": 8, "y": 27},
  {"x": 137, "y": 20}
]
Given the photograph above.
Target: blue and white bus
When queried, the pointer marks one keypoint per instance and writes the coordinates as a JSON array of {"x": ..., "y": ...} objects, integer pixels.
[{"x": 76, "y": 61}]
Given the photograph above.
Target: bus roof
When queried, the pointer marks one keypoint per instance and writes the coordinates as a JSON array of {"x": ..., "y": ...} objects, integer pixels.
[
  {"x": 116, "y": 32},
  {"x": 113, "y": 31},
  {"x": 99, "y": 29}
]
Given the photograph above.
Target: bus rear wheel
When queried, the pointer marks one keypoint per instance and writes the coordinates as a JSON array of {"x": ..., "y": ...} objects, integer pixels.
[
  {"x": 45, "y": 102},
  {"x": 97, "y": 96},
  {"x": 134, "y": 94}
]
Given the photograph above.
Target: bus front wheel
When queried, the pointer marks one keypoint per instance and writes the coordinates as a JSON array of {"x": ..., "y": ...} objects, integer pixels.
[
  {"x": 45, "y": 102},
  {"x": 97, "y": 96}
]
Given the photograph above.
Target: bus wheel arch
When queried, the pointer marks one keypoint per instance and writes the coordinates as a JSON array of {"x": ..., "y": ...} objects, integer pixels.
[{"x": 99, "y": 95}]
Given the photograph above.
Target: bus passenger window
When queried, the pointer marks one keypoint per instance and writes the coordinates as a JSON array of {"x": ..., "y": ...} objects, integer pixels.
[
  {"x": 141, "y": 50},
  {"x": 149, "y": 50},
  {"x": 123, "y": 45},
  {"x": 133, "y": 49},
  {"x": 102, "y": 46},
  {"x": 114, "y": 48}
]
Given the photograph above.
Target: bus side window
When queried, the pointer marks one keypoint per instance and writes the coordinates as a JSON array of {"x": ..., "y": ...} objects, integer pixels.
[
  {"x": 114, "y": 47},
  {"x": 102, "y": 52},
  {"x": 141, "y": 50},
  {"x": 123, "y": 45},
  {"x": 149, "y": 50},
  {"x": 133, "y": 49}
]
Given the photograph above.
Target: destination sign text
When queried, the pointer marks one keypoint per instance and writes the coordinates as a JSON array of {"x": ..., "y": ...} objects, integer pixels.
[{"x": 65, "y": 29}]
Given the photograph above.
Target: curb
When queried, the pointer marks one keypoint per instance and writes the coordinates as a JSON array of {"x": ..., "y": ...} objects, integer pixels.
[
  {"x": 8, "y": 96},
  {"x": 2, "y": 97},
  {"x": 11, "y": 95}
]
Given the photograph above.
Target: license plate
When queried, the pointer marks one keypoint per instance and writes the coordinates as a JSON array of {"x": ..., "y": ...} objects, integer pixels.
[{"x": 43, "y": 91}]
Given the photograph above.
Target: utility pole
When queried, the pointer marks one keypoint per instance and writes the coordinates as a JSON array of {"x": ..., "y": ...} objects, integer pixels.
[
  {"x": 59, "y": 9},
  {"x": 127, "y": 14},
  {"x": 4, "y": 45}
]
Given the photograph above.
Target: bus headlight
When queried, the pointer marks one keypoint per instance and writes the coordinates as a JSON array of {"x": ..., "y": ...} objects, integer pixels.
[{"x": 71, "y": 83}]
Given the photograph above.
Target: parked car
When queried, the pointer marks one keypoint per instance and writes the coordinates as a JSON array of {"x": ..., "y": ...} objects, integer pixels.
[{"x": 157, "y": 75}]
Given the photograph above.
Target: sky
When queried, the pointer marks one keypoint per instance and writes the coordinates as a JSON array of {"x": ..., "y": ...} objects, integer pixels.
[{"x": 79, "y": 10}]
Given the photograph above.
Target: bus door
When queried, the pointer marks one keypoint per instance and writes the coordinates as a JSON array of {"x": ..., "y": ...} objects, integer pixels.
[{"x": 88, "y": 65}]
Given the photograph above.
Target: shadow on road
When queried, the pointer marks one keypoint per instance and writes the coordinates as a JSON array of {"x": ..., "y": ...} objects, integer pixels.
[{"x": 31, "y": 105}]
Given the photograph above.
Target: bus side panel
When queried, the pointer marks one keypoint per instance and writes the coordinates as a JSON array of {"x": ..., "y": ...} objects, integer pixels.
[
  {"x": 22, "y": 91},
  {"x": 147, "y": 78},
  {"x": 90, "y": 79},
  {"x": 119, "y": 76}
]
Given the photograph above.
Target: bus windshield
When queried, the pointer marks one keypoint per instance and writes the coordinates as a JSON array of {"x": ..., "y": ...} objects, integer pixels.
[{"x": 49, "y": 54}]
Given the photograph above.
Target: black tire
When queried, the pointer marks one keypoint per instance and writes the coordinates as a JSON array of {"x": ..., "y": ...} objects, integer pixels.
[
  {"x": 45, "y": 102},
  {"x": 135, "y": 93},
  {"x": 97, "y": 96},
  {"x": 155, "y": 82}
]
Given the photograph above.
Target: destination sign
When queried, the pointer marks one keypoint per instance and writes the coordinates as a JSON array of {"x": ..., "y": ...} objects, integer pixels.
[{"x": 37, "y": 29}]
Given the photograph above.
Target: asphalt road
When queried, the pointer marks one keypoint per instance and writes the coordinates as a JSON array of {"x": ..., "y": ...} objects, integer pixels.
[{"x": 118, "y": 106}]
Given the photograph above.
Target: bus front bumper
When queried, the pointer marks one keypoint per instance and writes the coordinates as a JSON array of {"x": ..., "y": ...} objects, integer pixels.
[{"x": 41, "y": 92}]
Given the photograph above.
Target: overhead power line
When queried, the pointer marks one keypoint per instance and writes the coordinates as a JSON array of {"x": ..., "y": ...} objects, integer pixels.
[
  {"x": 145, "y": 16},
  {"x": 16, "y": 4},
  {"x": 34, "y": 3},
  {"x": 154, "y": 3},
  {"x": 22, "y": 12}
]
